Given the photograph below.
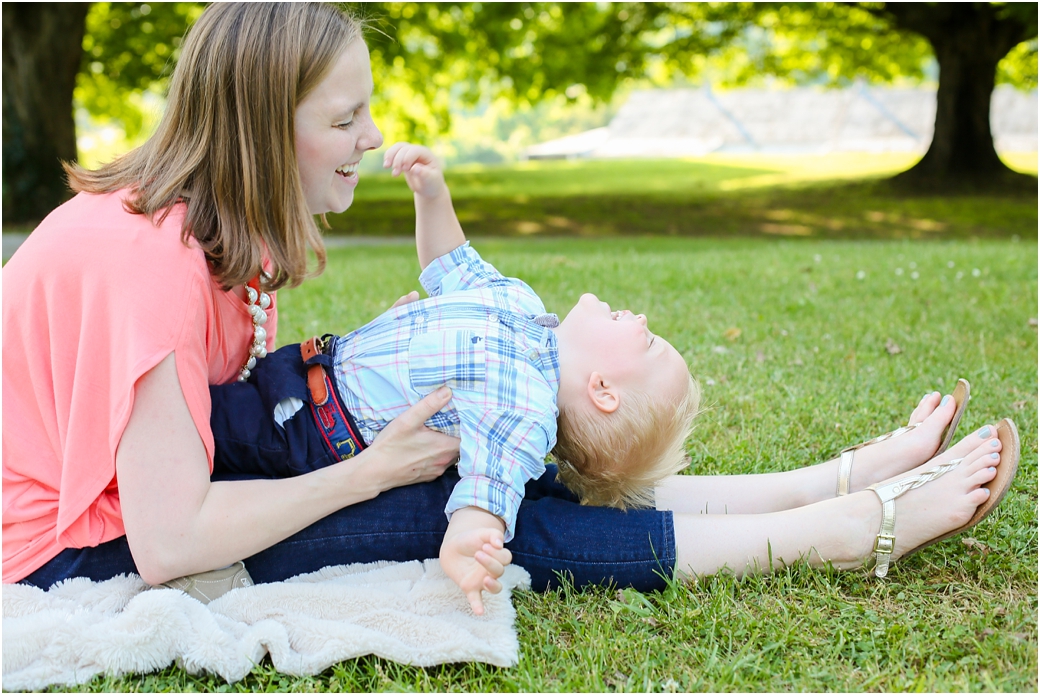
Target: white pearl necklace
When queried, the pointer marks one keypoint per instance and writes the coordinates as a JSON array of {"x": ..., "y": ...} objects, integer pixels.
[{"x": 258, "y": 302}]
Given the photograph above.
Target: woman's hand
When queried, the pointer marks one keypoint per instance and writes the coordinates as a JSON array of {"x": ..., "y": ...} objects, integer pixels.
[
  {"x": 412, "y": 296},
  {"x": 409, "y": 451}
]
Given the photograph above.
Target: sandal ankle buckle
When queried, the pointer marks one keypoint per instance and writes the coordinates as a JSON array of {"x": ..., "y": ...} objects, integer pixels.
[{"x": 884, "y": 544}]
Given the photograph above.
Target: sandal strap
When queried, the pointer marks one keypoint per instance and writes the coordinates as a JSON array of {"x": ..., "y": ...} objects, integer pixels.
[
  {"x": 845, "y": 472},
  {"x": 885, "y": 542},
  {"x": 888, "y": 435},
  {"x": 848, "y": 454}
]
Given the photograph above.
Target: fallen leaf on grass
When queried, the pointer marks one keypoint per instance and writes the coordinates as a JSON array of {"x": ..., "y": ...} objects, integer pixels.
[
  {"x": 892, "y": 348},
  {"x": 731, "y": 334},
  {"x": 973, "y": 544},
  {"x": 760, "y": 356},
  {"x": 1032, "y": 322},
  {"x": 1019, "y": 405}
]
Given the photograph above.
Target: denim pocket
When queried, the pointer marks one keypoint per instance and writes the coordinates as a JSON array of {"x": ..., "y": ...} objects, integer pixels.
[{"x": 453, "y": 358}]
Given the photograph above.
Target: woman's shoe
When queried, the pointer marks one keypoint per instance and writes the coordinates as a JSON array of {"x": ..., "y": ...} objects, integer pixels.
[
  {"x": 885, "y": 542},
  {"x": 961, "y": 395}
]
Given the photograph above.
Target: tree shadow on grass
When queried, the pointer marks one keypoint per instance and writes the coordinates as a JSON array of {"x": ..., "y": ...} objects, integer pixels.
[{"x": 877, "y": 209}]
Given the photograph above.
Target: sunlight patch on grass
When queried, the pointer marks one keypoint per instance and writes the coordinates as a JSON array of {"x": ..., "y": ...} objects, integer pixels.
[
  {"x": 1025, "y": 162},
  {"x": 797, "y": 168}
]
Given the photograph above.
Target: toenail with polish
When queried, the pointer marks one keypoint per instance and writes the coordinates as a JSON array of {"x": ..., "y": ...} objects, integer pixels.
[
  {"x": 984, "y": 433},
  {"x": 993, "y": 470},
  {"x": 945, "y": 400},
  {"x": 995, "y": 443},
  {"x": 995, "y": 456}
]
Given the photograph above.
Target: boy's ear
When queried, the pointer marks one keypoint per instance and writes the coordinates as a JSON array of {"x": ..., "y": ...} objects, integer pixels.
[{"x": 605, "y": 396}]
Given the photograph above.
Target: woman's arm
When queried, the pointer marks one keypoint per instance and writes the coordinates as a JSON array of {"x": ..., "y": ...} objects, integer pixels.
[{"x": 178, "y": 522}]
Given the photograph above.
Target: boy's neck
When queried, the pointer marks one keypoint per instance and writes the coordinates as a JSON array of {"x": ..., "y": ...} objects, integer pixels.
[{"x": 574, "y": 372}]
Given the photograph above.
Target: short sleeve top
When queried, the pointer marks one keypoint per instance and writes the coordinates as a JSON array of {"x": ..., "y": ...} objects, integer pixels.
[{"x": 94, "y": 299}]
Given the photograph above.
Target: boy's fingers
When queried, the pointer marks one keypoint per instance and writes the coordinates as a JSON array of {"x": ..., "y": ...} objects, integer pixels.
[
  {"x": 491, "y": 564},
  {"x": 475, "y": 601},
  {"x": 492, "y": 585},
  {"x": 388, "y": 157},
  {"x": 501, "y": 554},
  {"x": 409, "y": 157}
]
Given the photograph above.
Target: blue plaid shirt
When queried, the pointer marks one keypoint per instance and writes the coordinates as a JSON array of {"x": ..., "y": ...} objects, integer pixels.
[{"x": 476, "y": 333}]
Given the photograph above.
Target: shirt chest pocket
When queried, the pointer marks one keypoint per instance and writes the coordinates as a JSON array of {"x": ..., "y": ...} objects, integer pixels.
[{"x": 453, "y": 358}]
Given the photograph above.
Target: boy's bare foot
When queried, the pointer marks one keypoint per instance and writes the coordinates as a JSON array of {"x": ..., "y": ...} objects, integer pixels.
[
  {"x": 905, "y": 452},
  {"x": 938, "y": 506}
]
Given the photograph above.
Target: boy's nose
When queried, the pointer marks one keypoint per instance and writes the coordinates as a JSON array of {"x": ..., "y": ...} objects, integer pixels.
[{"x": 641, "y": 318}]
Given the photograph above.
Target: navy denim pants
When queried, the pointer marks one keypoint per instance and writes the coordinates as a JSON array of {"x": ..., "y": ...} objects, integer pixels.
[{"x": 555, "y": 535}]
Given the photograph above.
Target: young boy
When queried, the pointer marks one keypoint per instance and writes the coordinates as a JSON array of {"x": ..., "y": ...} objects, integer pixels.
[{"x": 609, "y": 399}]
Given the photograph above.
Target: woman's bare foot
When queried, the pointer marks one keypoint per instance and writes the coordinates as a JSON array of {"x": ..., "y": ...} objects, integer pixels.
[
  {"x": 884, "y": 460},
  {"x": 937, "y": 507}
]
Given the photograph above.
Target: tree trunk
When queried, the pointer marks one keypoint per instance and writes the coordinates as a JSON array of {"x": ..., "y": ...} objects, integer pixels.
[
  {"x": 43, "y": 46},
  {"x": 969, "y": 40}
]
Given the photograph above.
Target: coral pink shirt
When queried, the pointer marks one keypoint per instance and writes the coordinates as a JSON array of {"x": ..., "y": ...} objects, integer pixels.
[{"x": 93, "y": 299}]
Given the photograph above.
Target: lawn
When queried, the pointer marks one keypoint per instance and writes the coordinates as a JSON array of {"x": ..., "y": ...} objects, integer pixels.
[
  {"x": 802, "y": 346},
  {"x": 834, "y": 196}
]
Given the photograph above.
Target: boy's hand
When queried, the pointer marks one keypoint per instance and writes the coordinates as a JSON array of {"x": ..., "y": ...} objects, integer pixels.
[
  {"x": 419, "y": 166},
  {"x": 473, "y": 554}
]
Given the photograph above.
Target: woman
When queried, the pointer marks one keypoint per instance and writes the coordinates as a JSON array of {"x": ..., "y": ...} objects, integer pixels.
[{"x": 129, "y": 300}]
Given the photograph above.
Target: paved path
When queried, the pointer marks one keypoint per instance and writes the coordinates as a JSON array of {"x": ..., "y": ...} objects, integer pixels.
[{"x": 12, "y": 241}]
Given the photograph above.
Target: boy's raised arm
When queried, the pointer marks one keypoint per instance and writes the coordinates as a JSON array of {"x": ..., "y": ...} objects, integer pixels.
[{"x": 437, "y": 228}]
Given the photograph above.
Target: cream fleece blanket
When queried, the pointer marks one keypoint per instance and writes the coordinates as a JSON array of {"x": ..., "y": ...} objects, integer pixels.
[{"x": 409, "y": 612}]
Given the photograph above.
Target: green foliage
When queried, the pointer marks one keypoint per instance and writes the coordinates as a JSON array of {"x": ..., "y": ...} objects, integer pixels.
[
  {"x": 431, "y": 59},
  {"x": 1018, "y": 67},
  {"x": 129, "y": 49},
  {"x": 819, "y": 43}
]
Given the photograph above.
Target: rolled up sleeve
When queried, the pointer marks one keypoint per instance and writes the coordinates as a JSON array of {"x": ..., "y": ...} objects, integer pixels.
[{"x": 500, "y": 452}]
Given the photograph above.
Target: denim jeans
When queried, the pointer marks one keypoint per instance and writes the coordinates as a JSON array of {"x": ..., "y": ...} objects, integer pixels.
[{"x": 555, "y": 536}]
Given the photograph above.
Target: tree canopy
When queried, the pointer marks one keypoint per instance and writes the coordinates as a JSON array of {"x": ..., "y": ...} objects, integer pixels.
[{"x": 429, "y": 57}]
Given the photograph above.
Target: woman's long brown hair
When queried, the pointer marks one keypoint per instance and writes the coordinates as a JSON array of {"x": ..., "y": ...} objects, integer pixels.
[{"x": 226, "y": 143}]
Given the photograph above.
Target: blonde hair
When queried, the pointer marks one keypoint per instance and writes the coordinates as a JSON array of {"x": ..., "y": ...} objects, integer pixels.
[
  {"x": 615, "y": 460},
  {"x": 226, "y": 143}
]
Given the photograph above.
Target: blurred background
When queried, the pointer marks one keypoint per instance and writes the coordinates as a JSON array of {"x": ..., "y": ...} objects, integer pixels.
[{"x": 530, "y": 104}]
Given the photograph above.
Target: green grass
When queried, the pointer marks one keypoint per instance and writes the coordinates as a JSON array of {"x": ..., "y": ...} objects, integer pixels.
[
  {"x": 835, "y": 196},
  {"x": 808, "y": 374}
]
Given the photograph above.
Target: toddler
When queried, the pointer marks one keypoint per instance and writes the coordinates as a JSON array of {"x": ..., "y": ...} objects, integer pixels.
[{"x": 612, "y": 402}]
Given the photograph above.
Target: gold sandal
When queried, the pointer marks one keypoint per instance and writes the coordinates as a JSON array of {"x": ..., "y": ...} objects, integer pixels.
[
  {"x": 961, "y": 395},
  {"x": 885, "y": 542}
]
